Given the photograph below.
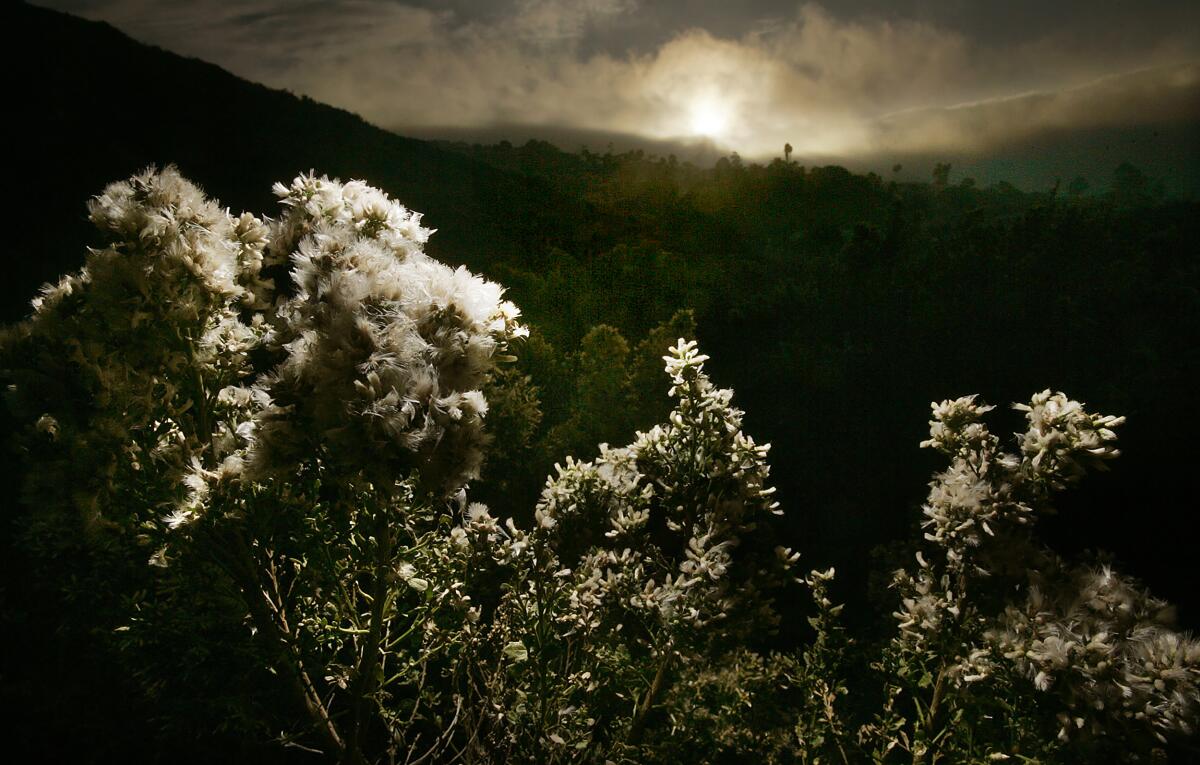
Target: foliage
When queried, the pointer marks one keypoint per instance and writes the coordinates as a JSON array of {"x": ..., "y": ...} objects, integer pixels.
[{"x": 247, "y": 445}]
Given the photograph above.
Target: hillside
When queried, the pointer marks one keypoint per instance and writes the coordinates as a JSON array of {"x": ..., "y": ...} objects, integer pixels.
[{"x": 93, "y": 106}]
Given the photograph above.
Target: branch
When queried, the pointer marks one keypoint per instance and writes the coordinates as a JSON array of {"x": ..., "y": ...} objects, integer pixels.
[{"x": 270, "y": 621}]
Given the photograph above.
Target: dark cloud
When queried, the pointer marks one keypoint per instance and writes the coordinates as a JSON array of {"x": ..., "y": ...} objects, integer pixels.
[{"x": 842, "y": 78}]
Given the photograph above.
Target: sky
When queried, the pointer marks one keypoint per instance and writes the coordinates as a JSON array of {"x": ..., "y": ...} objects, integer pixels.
[{"x": 838, "y": 78}]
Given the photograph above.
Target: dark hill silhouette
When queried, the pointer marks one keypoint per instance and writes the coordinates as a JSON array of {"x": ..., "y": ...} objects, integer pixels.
[{"x": 90, "y": 106}]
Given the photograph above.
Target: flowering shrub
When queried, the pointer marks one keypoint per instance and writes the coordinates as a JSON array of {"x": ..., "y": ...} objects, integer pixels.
[
  {"x": 287, "y": 411},
  {"x": 992, "y": 620},
  {"x": 283, "y": 416},
  {"x": 302, "y": 438},
  {"x": 653, "y": 557}
]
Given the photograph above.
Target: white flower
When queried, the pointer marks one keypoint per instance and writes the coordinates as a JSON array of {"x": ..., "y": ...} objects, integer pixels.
[{"x": 387, "y": 349}]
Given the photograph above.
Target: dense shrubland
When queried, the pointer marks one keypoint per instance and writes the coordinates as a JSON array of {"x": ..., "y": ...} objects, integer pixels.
[{"x": 253, "y": 452}]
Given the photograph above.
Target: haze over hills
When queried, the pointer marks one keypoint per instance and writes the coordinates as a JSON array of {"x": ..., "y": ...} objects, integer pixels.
[
  {"x": 1169, "y": 153},
  {"x": 867, "y": 85},
  {"x": 73, "y": 77},
  {"x": 1163, "y": 139},
  {"x": 702, "y": 152}
]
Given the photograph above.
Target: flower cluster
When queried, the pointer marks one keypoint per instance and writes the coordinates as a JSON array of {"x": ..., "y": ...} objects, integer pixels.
[
  {"x": 381, "y": 351},
  {"x": 986, "y": 490},
  {"x": 378, "y": 331},
  {"x": 1063, "y": 440},
  {"x": 163, "y": 225},
  {"x": 698, "y": 480},
  {"x": 121, "y": 361},
  {"x": 1108, "y": 649}
]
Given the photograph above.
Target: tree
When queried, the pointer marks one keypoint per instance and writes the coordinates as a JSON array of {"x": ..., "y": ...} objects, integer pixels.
[
  {"x": 1131, "y": 187},
  {"x": 941, "y": 175},
  {"x": 1077, "y": 187}
]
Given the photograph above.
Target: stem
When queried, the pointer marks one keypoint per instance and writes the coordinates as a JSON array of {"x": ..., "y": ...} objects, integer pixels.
[
  {"x": 203, "y": 429},
  {"x": 939, "y": 687},
  {"x": 202, "y": 409},
  {"x": 541, "y": 654},
  {"x": 369, "y": 659},
  {"x": 835, "y": 728},
  {"x": 638, "y": 727}
]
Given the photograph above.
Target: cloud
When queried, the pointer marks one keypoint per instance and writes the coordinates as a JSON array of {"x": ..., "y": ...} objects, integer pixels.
[
  {"x": 1159, "y": 96},
  {"x": 550, "y": 23},
  {"x": 829, "y": 83}
]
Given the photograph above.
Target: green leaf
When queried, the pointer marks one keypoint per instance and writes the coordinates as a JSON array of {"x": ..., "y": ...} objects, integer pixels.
[{"x": 516, "y": 652}]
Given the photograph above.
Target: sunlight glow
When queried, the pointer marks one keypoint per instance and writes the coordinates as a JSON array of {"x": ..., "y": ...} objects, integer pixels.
[{"x": 709, "y": 118}]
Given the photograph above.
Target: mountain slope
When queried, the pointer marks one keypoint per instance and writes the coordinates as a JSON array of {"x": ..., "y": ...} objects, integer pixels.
[{"x": 90, "y": 106}]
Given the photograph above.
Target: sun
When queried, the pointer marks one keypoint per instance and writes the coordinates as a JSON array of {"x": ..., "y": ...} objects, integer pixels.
[{"x": 708, "y": 117}]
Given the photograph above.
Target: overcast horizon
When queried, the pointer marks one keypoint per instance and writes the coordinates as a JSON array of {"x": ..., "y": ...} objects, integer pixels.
[{"x": 845, "y": 79}]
